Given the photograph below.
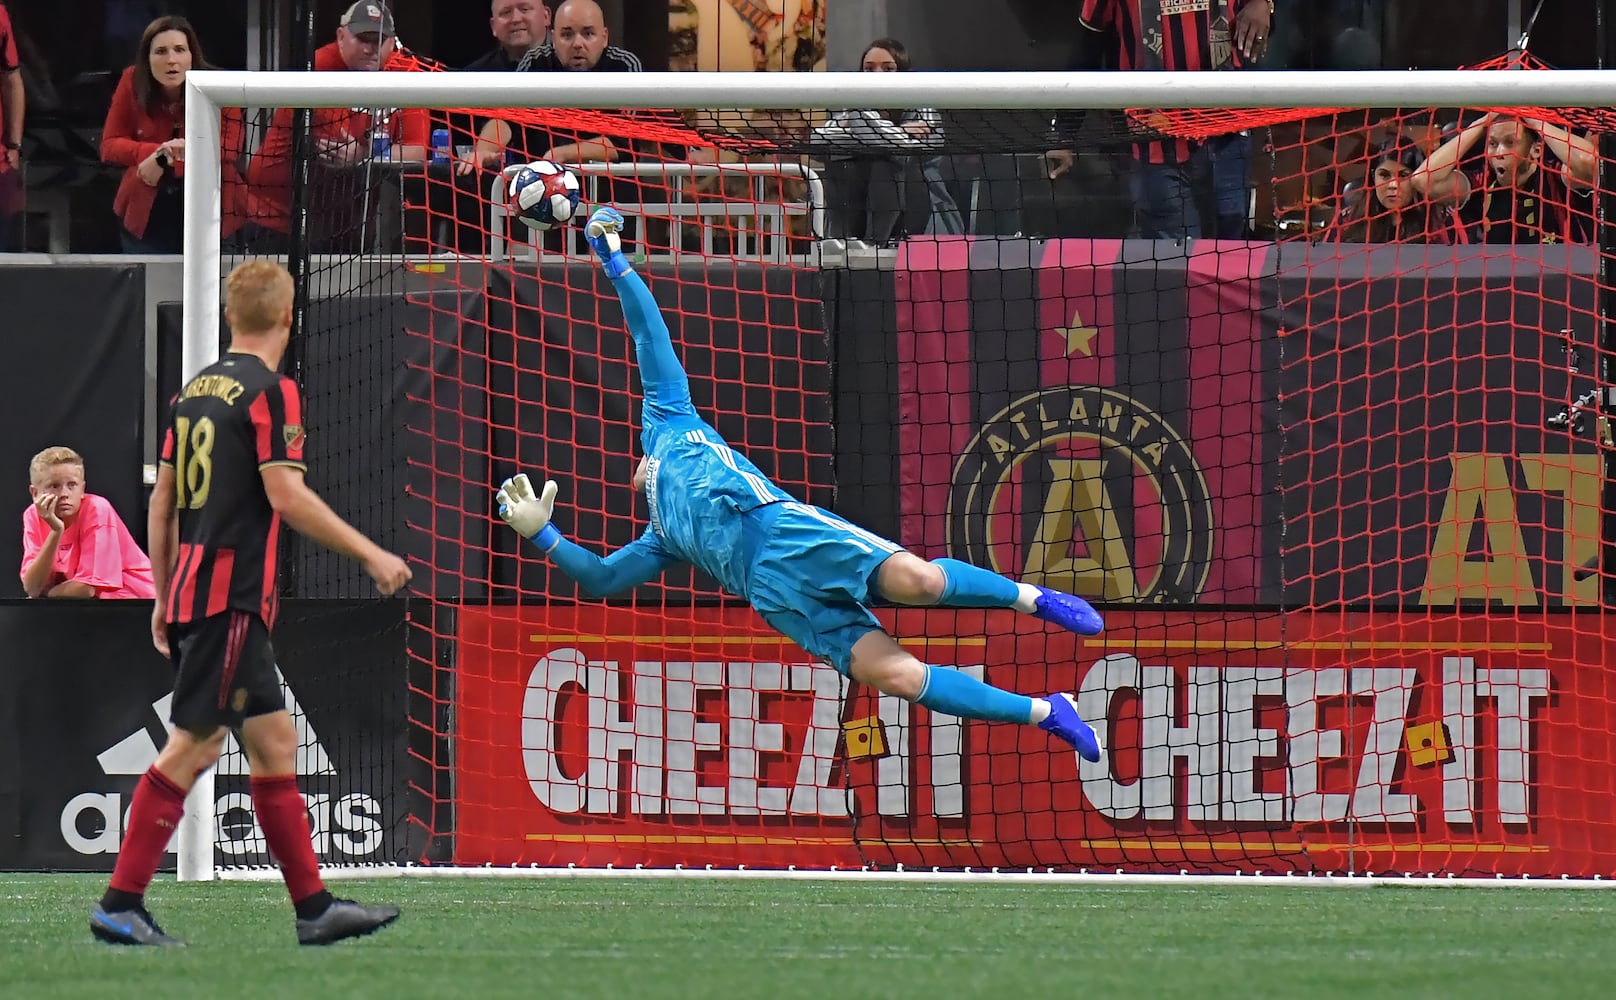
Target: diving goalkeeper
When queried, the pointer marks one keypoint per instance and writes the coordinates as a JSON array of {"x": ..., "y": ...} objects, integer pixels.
[{"x": 807, "y": 572}]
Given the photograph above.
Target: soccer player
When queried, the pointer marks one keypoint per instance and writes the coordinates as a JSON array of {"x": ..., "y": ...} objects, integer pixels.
[
  {"x": 808, "y": 572},
  {"x": 231, "y": 469}
]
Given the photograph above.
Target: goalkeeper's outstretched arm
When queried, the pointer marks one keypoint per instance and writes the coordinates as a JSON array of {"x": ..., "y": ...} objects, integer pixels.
[
  {"x": 635, "y": 563},
  {"x": 638, "y": 562},
  {"x": 667, "y": 389}
]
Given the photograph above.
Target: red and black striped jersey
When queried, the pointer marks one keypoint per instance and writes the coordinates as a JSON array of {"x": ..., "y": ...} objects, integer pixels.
[
  {"x": 1545, "y": 209},
  {"x": 234, "y": 419},
  {"x": 1173, "y": 35}
]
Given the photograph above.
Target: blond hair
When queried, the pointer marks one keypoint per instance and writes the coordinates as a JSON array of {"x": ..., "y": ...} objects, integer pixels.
[
  {"x": 48, "y": 459},
  {"x": 257, "y": 295}
]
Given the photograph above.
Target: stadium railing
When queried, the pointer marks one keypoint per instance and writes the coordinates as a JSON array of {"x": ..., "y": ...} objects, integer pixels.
[{"x": 767, "y": 237}]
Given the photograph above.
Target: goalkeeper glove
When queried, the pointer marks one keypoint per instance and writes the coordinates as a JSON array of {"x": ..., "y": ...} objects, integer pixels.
[
  {"x": 528, "y": 514},
  {"x": 602, "y": 231}
]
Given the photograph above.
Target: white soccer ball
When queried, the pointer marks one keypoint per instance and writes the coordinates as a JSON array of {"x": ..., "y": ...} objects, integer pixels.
[{"x": 544, "y": 195}]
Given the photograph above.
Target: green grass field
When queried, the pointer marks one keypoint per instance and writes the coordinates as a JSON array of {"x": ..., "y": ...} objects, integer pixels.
[{"x": 619, "y": 938}]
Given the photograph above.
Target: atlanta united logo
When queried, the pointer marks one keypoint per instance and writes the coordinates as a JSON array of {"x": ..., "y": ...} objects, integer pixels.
[{"x": 1082, "y": 489}]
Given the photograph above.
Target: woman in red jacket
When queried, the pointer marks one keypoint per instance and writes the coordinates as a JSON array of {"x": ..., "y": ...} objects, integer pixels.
[{"x": 145, "y": 132}]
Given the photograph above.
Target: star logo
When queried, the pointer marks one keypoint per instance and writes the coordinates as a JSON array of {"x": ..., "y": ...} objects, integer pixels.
[{"x": 1079, "y": 338}]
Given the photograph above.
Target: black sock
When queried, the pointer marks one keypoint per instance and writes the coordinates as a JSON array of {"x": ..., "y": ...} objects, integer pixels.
[
  {"x": 116, "y": 901},
  {"x": 312, "y": 906}
]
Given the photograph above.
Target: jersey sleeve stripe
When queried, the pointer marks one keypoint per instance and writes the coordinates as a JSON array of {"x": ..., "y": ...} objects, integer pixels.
[
  {"x": 291, "y": 401},
  {"x": 262, "y": 427}
]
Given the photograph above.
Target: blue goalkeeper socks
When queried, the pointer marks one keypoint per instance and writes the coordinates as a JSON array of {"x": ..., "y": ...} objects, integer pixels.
[
  {"x": 954, "y": 693},
  {"x": 967, "y": 586}
]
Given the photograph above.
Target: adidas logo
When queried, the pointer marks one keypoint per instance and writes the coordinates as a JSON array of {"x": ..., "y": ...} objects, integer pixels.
[
  {"x": 345, "y": 823},
  {"x": 136, "y": 753}
]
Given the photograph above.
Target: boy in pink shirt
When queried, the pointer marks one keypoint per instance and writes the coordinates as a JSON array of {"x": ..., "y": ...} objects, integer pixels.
[{"x": 73, "y": 543}]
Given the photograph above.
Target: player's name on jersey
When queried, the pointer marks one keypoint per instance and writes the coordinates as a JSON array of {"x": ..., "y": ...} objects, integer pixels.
[{"x": 221, "y": 386}]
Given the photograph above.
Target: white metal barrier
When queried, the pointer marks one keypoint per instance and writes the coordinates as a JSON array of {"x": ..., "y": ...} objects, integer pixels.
[{"x": 757, "y": 228}]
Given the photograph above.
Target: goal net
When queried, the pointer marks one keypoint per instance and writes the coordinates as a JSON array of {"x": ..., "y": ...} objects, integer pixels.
[{"x": 1332, "y": 473}]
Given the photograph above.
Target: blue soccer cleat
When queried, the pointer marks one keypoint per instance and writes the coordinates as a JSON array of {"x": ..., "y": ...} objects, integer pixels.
[
  {"x": 602, "y": 231},
  {"x": 1064, "y": 722},
  {"x": 134, "y": 926},
  {"x": 1071, "y": 613}
]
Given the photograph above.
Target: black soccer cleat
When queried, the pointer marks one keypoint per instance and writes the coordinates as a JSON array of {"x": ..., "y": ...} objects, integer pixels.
[
  {"x": 134, "y": 926},
  {"x": 344, "y": 919}
]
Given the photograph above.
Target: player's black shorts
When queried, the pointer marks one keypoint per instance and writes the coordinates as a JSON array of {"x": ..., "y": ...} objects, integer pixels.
[{"x": 226, "y": 672}]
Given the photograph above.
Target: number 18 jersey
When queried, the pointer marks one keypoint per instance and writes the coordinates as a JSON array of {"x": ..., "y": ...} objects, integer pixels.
[{"x": 234, "y": 419}]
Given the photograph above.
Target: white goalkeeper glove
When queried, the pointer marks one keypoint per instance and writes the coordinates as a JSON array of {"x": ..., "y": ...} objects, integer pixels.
[{"x": 520, "y": 509}]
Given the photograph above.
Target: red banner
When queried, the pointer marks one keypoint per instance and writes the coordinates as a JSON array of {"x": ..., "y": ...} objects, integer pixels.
[
  {"x": 1084, "y": 420},
  {"x": 1302, "y": 741}
]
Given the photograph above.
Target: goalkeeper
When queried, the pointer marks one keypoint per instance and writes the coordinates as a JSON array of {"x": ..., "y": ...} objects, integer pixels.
[{"x": 808, "y": 572}]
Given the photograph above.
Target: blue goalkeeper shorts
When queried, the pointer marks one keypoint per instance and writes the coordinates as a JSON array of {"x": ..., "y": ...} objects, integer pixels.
[{"x": 811, "y": 576}]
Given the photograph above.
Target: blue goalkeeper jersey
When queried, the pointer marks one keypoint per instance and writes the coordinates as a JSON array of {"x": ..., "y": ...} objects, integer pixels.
[{"x": 698, "y": 488}]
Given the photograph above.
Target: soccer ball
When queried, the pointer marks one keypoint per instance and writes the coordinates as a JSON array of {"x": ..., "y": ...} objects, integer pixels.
[{"x": 544, "y": 195}]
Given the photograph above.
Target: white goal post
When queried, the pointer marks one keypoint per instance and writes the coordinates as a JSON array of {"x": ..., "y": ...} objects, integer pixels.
[{"x": 208, "y": 91}]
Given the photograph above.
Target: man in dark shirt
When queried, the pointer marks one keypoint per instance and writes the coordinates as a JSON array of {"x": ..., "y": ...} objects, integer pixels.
[
  {"x": 231, "y": 469},
  {"x": 1181, "y": 189},
  {"x": 1534, "y": 186},
  {"x": 578, "y": 43},
  {"x": 519, "y": 26}
]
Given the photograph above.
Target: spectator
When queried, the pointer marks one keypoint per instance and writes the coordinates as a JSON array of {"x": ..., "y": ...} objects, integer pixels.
[
  {"x": 870, "y": 193},
  {"x": 578, "y": 43},
  {"x": 73, "y": 542},
  {"x": 12, "y": 105},
  {"x": 1388, "y": 208},
  {"x": 145, "y": 133},
  {"x": 1182, "y": 189},
  {"x": 1524, "y": 196},
  {"x": 343, "y": 138},
  {"x": 519, "y": 26}
]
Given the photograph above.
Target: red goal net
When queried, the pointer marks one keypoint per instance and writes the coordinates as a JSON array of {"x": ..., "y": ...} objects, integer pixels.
[{"x": 1333, "y": 483}]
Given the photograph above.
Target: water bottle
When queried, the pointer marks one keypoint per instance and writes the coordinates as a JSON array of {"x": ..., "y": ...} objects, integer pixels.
[
  {"x": 440, "y": 145},
  {"x": 381, "y": 146}
]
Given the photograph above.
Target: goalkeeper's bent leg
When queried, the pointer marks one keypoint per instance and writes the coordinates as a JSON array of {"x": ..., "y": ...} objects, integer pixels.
[
  {"x": 954, "y": 693},
  {"x": 876, "y": 659},
  {"x": 968, "y": 586},
  {"x": 905, "y": 578}
]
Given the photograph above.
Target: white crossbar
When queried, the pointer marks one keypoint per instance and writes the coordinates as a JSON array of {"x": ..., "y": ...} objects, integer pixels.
[{"x": 734, "y": 91}]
